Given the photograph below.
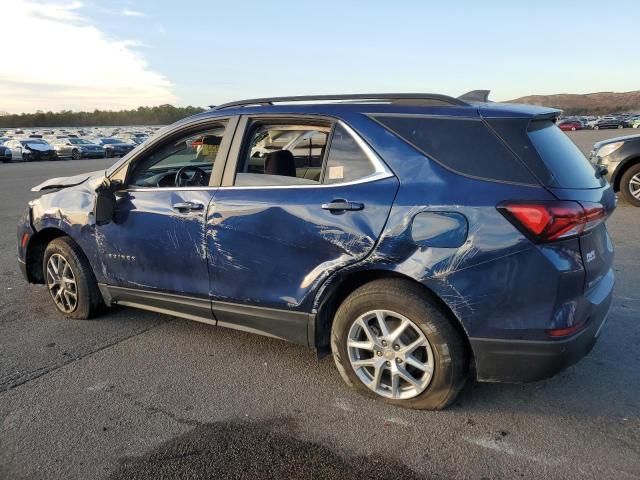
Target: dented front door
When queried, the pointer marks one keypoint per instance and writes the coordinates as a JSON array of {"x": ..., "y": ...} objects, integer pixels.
[{"x": 156, "y": 241}]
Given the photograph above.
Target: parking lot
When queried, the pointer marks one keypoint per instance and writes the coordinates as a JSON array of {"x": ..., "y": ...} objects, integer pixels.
[{"x": 135, "y": 394}]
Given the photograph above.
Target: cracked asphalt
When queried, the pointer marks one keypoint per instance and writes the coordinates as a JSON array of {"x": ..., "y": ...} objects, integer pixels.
[{"x": 135, "y": 395}]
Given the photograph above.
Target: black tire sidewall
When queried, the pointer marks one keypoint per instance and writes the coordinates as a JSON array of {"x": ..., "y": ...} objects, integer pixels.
[
  {"x": 448, "y": 349},
  {"x": 624, "y": 185}
]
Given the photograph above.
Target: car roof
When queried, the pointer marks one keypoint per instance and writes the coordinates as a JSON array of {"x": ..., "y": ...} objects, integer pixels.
[{"x": 474, "y": 109}]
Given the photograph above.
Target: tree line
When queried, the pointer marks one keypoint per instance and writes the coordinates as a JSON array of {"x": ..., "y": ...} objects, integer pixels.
[{"x": 160, "y": 115}]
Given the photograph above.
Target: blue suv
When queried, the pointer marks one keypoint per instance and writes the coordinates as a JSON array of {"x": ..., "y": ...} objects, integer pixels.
[{"x": 420, "y": 239}]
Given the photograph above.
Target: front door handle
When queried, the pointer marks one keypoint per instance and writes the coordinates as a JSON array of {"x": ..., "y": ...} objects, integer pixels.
[
  {"x": 188, "y": 206},
  {"x": 341, "y": 205}
]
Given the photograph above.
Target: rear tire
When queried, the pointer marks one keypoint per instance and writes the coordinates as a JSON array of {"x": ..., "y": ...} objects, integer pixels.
[
  {"x": 76, "y": 155},
  {"x": 108, "y": 153},
  {"x": 596, "y": 127},
  {"x": 630, "y": 185},
  {"x": 70, "y": 280},
  {"x": 443, "y": 358},
  {"x": 620, "y": 126}
]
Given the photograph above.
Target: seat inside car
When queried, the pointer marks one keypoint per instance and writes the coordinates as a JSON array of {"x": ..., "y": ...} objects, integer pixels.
[{"x": 280, "y": 162}]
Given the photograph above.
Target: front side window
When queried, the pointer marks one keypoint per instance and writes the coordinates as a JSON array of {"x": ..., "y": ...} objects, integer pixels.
[
  {"x": 185, "y": 162},
  {"x": 283, "y": 155}
]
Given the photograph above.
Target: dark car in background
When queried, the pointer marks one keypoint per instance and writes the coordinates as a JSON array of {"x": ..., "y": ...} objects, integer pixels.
[
  {"x": 5, "y": 154},
  {"x": 570, "y": 125},
  {"x": 608, "y": 122},
  {"x": 114, "y": 147},
  {"x": 32, "y": 149},
  {"x": 621, "y": 157},
  {"x": 78, "y": 148},
  {"x": 359, "y": 225}
]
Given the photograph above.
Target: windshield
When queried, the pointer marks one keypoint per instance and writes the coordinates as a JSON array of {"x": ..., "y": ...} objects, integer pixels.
[{"x": 110, "y": 141}]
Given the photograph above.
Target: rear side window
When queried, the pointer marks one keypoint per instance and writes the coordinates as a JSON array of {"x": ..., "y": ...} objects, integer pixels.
[
  {"x": 566, "y": 163},
  {"x": 465, "y": 146},
  {"x": 346, "y": 162}
]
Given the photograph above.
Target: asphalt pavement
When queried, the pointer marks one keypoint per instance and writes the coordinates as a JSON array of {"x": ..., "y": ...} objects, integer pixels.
[{"x": 134, "y": 394}]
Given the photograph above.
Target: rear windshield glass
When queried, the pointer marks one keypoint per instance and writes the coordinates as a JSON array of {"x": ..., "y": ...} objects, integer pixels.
[
  {"x": 465, "y": 146},
  {"x": 568, "y": 165}
]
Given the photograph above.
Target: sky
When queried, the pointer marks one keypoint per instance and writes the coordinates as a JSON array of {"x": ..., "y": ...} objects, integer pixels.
[{"x": 87, "y": 54}]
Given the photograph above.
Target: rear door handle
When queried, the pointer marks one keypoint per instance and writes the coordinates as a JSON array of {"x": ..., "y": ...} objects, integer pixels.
[
  {"x": 188, "y": 206},
  {"x": 340, "y": 205}
]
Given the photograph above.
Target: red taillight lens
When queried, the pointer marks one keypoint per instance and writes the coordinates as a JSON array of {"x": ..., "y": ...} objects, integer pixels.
[
  {"x": 25, "y": 239},
  {"x": 549, "y": 221}
]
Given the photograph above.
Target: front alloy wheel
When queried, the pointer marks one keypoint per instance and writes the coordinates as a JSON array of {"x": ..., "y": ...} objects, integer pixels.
[
  {"x": 76, "y": 155},
  {"x": 62, "y": 283},
  {"x": 630, "y": 185},
  {"x": 390, "y": 354}
]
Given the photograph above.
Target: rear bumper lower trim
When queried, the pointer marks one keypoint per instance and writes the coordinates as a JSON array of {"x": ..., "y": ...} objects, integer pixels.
[{"x": 521, "y": 361}]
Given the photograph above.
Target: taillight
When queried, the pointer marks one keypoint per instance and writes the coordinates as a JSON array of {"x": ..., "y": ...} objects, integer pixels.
[{"x": 555, "y": 220}]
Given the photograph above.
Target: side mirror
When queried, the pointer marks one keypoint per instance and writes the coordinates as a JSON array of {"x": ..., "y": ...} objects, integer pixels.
[{"x": 105, "y": 202}]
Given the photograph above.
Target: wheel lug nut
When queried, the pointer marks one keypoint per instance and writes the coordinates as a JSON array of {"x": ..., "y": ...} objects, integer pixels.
[
  {"x": 387, "y": 363},
  {"x": 398, "y": 360},
  {"x": 396, "y": 347},
  {"x": 379, "y": 353},
  {"x": 384, "y": 343}
]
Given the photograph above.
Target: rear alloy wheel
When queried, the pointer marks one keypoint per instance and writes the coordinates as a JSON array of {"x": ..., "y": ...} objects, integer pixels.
[
  {"x": 76, "y": 155},
  {"x": 390, "y": 354},
  {"x": 108, "y": 153},
  {"x": 630, "y": 185},
  {"x": 26, "y": 157},
  {"x": 596, "y": 127},
  {"x": 390, "y": 341},
  {"x": 573, "y": 129},
  {"x": 620, "y": 126}
]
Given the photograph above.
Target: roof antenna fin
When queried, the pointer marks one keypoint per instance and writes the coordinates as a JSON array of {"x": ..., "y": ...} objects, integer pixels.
[{"x": 476, "y": 96}]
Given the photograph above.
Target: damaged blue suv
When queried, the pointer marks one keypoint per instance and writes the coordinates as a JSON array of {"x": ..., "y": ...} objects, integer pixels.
[{"x": 420, "y": 239}]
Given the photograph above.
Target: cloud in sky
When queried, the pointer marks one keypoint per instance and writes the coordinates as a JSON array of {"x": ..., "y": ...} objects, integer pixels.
[
  {"x": 132, "y": 13},
  {"x": 63, "y": 62}
]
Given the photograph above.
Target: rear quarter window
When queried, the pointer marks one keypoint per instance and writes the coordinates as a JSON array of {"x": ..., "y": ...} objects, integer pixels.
[
  {"x": 566, "y": 163},
  {"x": 465, "y": 146}
]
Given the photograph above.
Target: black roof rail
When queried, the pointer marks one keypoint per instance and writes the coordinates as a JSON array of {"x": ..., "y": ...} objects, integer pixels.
[
  {"x": 379, "y": 97},
  {"x": 476, "y": 96}
]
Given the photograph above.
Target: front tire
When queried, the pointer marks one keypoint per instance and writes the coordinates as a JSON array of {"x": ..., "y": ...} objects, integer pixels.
[
  {"x": 620, "y": 126},
  {"x": 76, "y": 155},
  {"x": 630, "y": 185},
  {"x": 70, "y": 280},
  {"x": 390, "y": 341},
  {"x": 108, "y": 153}
]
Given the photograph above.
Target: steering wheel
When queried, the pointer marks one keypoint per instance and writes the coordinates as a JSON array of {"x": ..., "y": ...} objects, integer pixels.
[{"x": 196, "y": 179}]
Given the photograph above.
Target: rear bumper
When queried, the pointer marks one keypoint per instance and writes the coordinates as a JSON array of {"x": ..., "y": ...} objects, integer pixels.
[{"x": 521, "y": 361}]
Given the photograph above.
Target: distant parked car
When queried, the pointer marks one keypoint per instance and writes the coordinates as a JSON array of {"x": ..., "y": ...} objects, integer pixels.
[
  {"x": 632, "y": 122},
  {"x": 5, "y": 154},
  {"x": 621, "y": 157},
  {"x": 114, "y": 147},
  {"x": 78, "y": 148},
  {"x": 608, "y": 122},
  {"x": 31, "y": 149},
  {"x": 570, "y": 125}
]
